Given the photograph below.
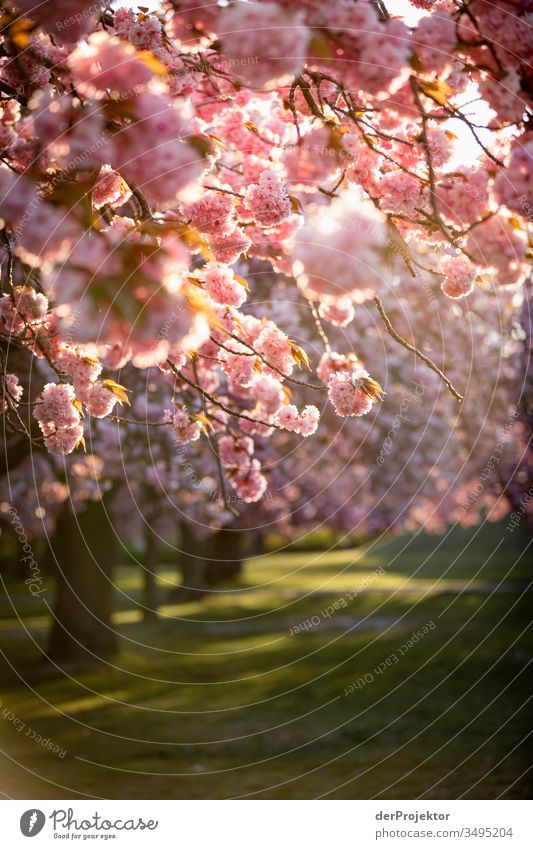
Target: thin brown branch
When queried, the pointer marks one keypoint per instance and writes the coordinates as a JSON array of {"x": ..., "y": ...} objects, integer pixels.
[
  {"x": 9, "y": 251},
  {"x": 429, "y": 362},
  {"x": 269, "y": 364},
  {"x": 223, "y": 191},
  {"x": 429, "y": 159},
  {"x": 214, "y": 449},
  {"x": 215, "y": 401},
  {"x": 125, "y": 420},
  {"x": 146, "y": 212},
  {"x": 331, "y": 193},
  {"x": 320, "y": 327},
  {"x": 381, "y": 10},
  {"x": 292, "y": 107}
]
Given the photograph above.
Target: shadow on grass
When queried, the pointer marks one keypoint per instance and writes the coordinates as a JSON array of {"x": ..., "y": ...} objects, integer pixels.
[{"x": 219, "y": 699}]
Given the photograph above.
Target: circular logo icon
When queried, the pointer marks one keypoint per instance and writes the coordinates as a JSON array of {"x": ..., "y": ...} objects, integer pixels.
[{"x": 32, "y": 822}]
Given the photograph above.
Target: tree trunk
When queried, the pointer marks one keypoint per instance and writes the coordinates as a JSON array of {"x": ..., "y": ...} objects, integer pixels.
[
  {"x": 517, "y": 481},
  {"x": 149, "y": 575},
  {"x": 191, "y": 566},
  {"x": 84, "y": 548},
  {"x": 225, "y": 552},
  {"x": 255, "y": 543}
]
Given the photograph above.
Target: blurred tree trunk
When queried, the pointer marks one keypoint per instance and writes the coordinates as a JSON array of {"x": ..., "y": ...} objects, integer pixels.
[
  {"x": 518, "y": 481},
  {"x": 192, "y": 566},
  {"x": 224, "y": 555},
  {"x": 84, "y": 552},
  {"x": 255, "y": 543},
  {"x": 204, "y": 564},
  {"x": 149, "y": 574}
]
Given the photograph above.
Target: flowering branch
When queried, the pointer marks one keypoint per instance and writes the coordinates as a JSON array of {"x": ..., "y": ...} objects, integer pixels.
[
  {"x": 271, "y": 365},
  {"x": 215, "y": 401}
]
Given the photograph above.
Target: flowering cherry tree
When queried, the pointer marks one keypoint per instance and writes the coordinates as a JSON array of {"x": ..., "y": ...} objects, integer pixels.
[
  {"x": 417, "y": 460},
  {"x": 150, "y": 158}
]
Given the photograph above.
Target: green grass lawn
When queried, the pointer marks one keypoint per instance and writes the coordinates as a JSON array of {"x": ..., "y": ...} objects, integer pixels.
[{"x": 218, "y": 699}]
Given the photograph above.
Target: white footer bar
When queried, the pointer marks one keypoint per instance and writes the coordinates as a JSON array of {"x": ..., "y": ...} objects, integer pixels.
[{"x": 269, "y": 824}]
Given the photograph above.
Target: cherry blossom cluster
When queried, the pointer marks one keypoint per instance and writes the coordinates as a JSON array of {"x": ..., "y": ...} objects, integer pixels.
[
  {"x": 304, "y": 423},
  {"x": 243, "y": 469},
  {"x": 59, "y": 418},
  {"x": 352, "y": 393},
  {"x": 186, "y": 427},
  {"x": 12, "y": 392}
]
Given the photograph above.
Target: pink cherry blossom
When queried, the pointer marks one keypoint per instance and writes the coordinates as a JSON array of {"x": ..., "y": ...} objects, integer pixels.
[
  {"x": 16, "y": 195},
  {"x": 304, "y": 423},
  {"x": 236, "y": 361},
  {"x": 340, "y": 313},
  {"x": 268, "y": 200},
  {"x": 186, "y": 427},
  {"x": 110, "y": 189},
  {"x": 64, "y": 440},
  {"x": 107, "y": 64},
  {"x": 513, "y": 186},
  {"x": 236, "y": 453},
  {"x": 332, "y": 362},
  {"x": 276, "y": 348},
  {"x": 460, "y": 276},
  {"x": 58, "y": 417},
  {"x": 268, "y": 393},
  {"x": 153, "y": 151},
  {"x": 68, "y": 20},
  {"x": 402, "y": 192},
  {"x": 47, "y": 234},
  {"x": 221, "y": 285},
  {"x": 434, "y": 40},
  {"x": 249, "y": 483},
  {"x": 463, "y": 196},
  {"x": 263, "y": 43},
  {"x": 346, "y": 393},
  {"x": 228, "y": 247},
  {"x": 145, "y": 34},
  {"x": 212, "y": 214},
  {"x": 498, "y": 244},
  {"x": 83, "y": 369},
  {"x": 504, "y": 96},
  {"x": 98, "y": 399},
  {"x": 31, "y": 305},
  {"x": 10, "y": 320},
  {"x": 11, "y": 393},
  {"x": 340, "y": 251},
  {"x": 56, "y": 407}
]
